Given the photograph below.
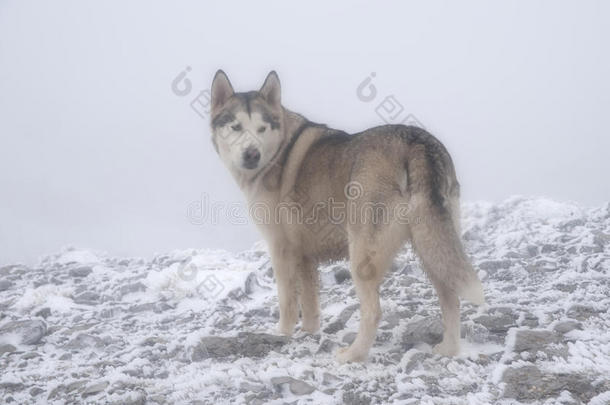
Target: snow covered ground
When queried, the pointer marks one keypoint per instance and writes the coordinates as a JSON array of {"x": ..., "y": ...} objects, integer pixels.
[{"x": 196, "y": 326}]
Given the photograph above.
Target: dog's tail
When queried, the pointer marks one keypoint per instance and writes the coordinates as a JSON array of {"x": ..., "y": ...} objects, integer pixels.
[
  {"x": 434, "y": 221},
  {"x": 439, "y": 247}
]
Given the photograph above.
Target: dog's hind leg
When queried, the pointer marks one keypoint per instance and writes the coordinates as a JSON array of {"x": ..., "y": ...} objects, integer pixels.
[
  {"x": 440, "y": 250},
  {"x": 450, "y": 313},
  {"x": 371, "y": 251}
]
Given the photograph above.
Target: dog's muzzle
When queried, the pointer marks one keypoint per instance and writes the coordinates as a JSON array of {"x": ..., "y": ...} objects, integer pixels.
[{"x": 251, "y": 157}]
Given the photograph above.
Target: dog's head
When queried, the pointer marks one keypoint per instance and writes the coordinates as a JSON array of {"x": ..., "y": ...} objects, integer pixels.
[{"x": 246, "y": 127}]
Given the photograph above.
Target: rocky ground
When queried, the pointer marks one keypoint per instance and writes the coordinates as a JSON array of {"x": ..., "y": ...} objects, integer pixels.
[{"x": 196, "y": 326}]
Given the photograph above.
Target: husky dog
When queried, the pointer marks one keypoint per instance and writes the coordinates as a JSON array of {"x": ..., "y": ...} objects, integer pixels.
[{"x": 386, "y": 186}]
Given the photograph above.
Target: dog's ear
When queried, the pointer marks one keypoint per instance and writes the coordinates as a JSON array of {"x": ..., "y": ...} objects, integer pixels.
[
  {"x": 271, "y": 90},
  {"x": 221, "y": 89}
]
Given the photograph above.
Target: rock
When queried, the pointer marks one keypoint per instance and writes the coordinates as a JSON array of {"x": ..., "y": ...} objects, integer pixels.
[
  {"x": 253, "y": 399},
  {"x": 95, "y": 388},
  {"x": 153, "y": 340},
  {"x": 134, "y": 373},
  {"x": 132, "y": 288},
  {"x": 43, "y": 312},
  {"x": 84, "y": 341},
  {"x": 297, "y": 387},
  {"x": 134, "y": 398},
  {"x": 30, "y": 355},
  {"x": 56, "y": 281},
  {"x": 391, "y": 320},
  {"x": 109, "y": 312},
  {"x": 30, "y": 332},
  {"x": 475, "y": 332},
  {"x": 339, "y": 323},
  {"x": 567, "y": 288},
  {"x": 330, "y": 379},
  {"x": 38, "y": 283},
  {"x": 349, "y": 337},
  {"x": 415, "y": 360},
  {"x": 56, "y": 391},
  {"x": 530, "y": 320},
  {"x": 264, "y": 312},
  {"x": 498, "y": 323},
  {"x": 87, "y": 298},
  {"x": 158, "y": 399},
  {"x": 514, "y": 255},
  {"x": 342, "y": 274},
  {"x": 532, "y": 250},
  {"x": 326, "y": 346},
  {"x": 278, "y": 381},
  {"x": 82, "y": 271},
  {"x": 569, "y": 225},
  {"x": 5, "y": 285},
  {"x": 548, "y": 248},
  {"x": 156, "y": 307},
  {"x": 581, "y": 312},
  {"x": 529, "y": 383},
  {"x": 494, "y": 265},
  {"x": 245, "y": 344},
  {"x": 11, "y": 386},
  {"x": 427, "y": 330},
  {"x": 485, "y": 360},
  {"x": 567, "y": 326},
  {"x": 534, "y": 340},
  {"x": 6, "y": 270},
  {"x": 35, "y": 391},
  {"x": 75, "y": 385},
  {"x": 251, "y": 284},
  {"x": 246, "y": 386},
  {"x": 353, "y": 397},
  {"x": 7, "y": 348}
]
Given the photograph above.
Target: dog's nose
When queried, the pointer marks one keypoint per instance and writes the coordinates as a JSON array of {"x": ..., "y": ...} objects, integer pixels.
[{"x": 251, "y": 157}]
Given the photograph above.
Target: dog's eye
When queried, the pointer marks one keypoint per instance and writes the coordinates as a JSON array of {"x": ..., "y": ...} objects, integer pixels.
[
  {"x": 236, "y": 127},
  {"x": 261, "y": 129}
]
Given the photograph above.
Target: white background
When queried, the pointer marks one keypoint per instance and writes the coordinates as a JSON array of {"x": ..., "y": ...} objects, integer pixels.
[{"x": 97, "y": 151}]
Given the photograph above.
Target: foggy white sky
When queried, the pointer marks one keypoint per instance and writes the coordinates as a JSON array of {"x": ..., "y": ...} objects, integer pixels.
[{"x": 97, "y": 151}]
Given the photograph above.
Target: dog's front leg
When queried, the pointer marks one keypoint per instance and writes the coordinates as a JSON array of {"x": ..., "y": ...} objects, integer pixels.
[
  {"x": 284, "y": 270},
  {"x": 307, "y": 272}
]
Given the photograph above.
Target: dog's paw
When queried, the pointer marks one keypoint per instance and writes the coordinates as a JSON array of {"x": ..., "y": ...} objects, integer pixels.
[
  {"x": 448, "y": 349},
  {"x": 311, "y": 326},
  {"x": 350, "y": 354},
  {"x": 285, "y": 330}
]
